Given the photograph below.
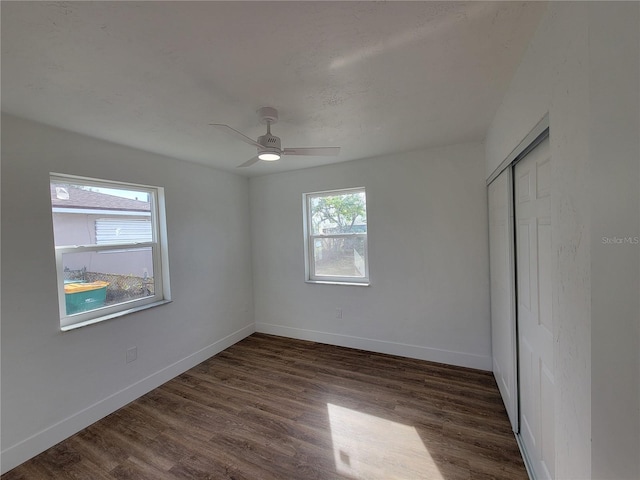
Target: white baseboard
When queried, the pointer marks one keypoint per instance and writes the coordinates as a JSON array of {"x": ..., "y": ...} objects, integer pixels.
[
  {"x": 22, "y": 451},
  {"x": 480, "y": 362},
  {"x": 525, "y": 457}
]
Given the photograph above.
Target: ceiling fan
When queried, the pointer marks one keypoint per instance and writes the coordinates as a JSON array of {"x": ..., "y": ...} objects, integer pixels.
[{"x": 269, "y": 146}]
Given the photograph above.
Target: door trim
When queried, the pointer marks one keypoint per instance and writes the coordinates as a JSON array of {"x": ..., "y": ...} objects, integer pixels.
[{"x": 529, "y": 142}]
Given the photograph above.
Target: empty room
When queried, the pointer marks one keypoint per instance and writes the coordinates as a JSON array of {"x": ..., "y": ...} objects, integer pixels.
[{"x": 320, "y": 240}]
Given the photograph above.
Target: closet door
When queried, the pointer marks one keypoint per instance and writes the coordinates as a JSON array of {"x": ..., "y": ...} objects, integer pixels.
[
  {"x": 503, "y": 322},
  {"x": 535, "y": 322}
]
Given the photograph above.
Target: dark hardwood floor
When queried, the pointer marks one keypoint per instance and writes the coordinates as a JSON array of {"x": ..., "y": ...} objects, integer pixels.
[{"x": 276, "y": 408}]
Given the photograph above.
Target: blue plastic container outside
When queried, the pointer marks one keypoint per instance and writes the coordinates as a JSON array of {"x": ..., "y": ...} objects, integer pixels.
[{"x": 85, "y": 300}]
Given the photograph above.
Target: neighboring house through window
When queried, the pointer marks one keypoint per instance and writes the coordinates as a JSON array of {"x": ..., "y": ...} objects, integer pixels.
[
  {"x": 111, "y": 254},
  {"x": 336, "y": 237},
  {"x": 123, "y": 230}
]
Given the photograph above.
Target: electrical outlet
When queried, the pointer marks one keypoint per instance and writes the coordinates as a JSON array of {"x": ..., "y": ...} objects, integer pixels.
[
  {"x": 132, "y": 354},
  {"x": 338, "y": 313}
]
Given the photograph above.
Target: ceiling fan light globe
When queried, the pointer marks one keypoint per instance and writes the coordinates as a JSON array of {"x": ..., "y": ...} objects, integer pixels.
[{"x": 269, "y": 156}]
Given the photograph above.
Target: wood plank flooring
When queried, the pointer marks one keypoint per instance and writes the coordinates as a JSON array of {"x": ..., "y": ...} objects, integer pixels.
[{"x": 276, "y": 408}]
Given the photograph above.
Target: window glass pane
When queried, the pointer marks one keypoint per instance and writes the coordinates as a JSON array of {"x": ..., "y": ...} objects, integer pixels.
[
  {"x": 80, "y": 212},
  {"x": 341, "y": 257},
  {"x": 344, "y": 213},
  {"x": 98, "y": 279}
]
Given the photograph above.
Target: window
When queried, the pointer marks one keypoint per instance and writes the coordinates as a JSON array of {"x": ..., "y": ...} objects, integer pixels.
[
  {"x": 110, "y": 248},
  {"x": 336, "y": 237},
  {"x": 118, "y": 230}
]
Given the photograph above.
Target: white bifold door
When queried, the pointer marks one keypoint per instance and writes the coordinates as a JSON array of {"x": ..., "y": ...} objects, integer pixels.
[
  {"x": 521, "y": 307},
  {"x": 503, "y": 320},
  {"x": 532, "y": 177}
]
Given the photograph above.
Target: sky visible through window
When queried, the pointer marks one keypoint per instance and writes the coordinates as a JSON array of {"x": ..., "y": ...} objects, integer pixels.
[{"x": 133, "y": 195}]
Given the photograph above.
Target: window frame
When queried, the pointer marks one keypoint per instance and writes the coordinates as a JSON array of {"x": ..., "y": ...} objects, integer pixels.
[
  {"x": 310, "y": 237},
  {"x": 158, "y": 246}
]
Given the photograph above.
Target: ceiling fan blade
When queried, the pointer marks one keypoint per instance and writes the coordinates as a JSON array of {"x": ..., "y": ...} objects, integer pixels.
[
  {"x": 235, "y": 133},
  {"x": 248, "y": 163},
  {"x": 320, "y": 151}
]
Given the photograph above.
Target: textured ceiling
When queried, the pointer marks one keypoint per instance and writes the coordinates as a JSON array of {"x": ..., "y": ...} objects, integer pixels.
[{"x": 374, "y": 78}]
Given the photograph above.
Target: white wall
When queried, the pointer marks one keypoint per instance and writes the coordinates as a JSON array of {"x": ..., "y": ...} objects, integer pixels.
[
  {"x": 582, "y": 68},
  {"x": 614, "y": 143},
  {"x": 428, "y": 257},
  {"x": 55, "y": 383}
]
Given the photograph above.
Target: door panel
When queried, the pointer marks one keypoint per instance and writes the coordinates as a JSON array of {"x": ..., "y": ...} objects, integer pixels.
[
  {"x": 534, "y": 317},
  {"x": 503, "y": 321},
  {"x": 547, "y": 411},
  {"x": 524, "y": 264},
  {"x": 544, "y": 272},
  {"x": 543, "y": 183},
  {"x": 528, "y": 422}
]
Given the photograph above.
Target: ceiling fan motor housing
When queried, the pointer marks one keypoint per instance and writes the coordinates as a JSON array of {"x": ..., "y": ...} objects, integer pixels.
[{"x": 270, "y": 144}]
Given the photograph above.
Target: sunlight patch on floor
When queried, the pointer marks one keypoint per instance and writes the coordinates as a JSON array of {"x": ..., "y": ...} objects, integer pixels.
[{"x": 369, "y": 447}]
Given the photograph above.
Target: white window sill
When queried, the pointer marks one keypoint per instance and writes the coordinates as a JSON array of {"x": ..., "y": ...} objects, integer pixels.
[
  {"x": 336, "y": 282},
  {"x": 121, "y": 313}
]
